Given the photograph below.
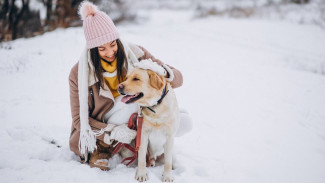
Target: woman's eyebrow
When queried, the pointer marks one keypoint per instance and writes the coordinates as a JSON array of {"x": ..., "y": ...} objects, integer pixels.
[{"x": 112, "y": 42}]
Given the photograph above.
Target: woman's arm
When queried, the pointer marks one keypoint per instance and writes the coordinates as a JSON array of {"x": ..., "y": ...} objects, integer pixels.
[
  {"x": 74, "y": 104},
  {"x": 178, "y": 78}
]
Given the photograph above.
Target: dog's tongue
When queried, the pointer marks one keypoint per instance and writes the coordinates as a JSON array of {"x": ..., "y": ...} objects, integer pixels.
[{"x": 126, "y": 98}]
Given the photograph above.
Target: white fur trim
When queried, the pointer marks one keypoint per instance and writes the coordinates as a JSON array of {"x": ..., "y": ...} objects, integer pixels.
[
  {"x": 170, "y": 72},
  {"x": 106, "y": 92},
  {"x": 150, "y": 65}
]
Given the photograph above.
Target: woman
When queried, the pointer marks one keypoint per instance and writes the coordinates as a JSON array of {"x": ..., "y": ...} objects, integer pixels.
[{"x": 93, "y": 87}]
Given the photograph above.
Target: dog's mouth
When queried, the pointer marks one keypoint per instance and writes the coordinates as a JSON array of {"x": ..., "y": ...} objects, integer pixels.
[{"x": 131, "y": 98}]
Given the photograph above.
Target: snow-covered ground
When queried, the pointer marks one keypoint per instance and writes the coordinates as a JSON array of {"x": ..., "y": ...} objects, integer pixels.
[{"x": 255, "y": 90}]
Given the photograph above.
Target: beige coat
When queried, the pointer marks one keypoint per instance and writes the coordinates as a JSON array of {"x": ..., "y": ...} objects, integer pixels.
[{"x": 98, "y": 104}]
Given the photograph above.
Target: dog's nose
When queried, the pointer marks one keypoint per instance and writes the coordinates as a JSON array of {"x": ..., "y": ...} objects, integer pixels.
[{"x": 120, "y": 88}]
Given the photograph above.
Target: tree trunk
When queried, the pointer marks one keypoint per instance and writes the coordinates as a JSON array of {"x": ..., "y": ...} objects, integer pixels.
[
  {"x": 4, "y": 20},
  {"x": 49, "y": 12},
  {"x": 24, "y": 9}
]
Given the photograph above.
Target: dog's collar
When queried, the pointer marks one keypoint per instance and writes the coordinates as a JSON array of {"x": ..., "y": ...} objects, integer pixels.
[{"x": 163, "y": 95}]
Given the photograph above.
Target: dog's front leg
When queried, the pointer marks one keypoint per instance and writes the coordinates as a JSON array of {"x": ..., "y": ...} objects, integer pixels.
[
  {"x": 168, "y": 148},
  {"x": 141, "y": 174}
]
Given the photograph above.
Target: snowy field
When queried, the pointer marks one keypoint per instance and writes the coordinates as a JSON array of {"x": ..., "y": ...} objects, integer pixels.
[{"x": 255, "y": 90}]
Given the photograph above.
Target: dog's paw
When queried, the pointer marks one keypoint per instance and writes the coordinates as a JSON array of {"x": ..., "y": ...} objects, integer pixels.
[
  {"x": 152, "y": 162},
  {"x": 167, "y": 177},
  {"x": 141, "y": 175}
]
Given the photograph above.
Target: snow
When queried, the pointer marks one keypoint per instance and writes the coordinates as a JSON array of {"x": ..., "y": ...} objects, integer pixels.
[{"x": 254, "y": 88}]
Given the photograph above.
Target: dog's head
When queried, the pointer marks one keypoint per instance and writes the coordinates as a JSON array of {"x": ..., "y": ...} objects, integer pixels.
[{"x": 144, "y": 87}]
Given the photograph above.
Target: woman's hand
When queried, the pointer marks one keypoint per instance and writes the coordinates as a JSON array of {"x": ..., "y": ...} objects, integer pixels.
[
  {"x": 123, "y": 134},
  {"x": 107, "y": 138}
]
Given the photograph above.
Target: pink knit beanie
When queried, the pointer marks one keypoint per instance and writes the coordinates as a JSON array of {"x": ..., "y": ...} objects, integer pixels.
[{"x": 98, "y": 27}]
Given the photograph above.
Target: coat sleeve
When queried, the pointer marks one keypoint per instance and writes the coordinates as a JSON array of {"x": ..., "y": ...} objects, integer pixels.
[
  {"x": 178, "y": 78},
  {"x": 74, "y": 104}
]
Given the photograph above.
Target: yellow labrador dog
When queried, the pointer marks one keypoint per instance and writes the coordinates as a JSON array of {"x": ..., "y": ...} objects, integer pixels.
[{"x": 157, "y": 100}]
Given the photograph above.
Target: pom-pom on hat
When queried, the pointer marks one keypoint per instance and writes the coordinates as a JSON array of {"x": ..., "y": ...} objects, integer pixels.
[{"x": 98, "y": 27}]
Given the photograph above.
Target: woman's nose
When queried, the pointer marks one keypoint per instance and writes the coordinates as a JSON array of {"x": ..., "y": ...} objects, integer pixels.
[{"x": 110, "y": 53}]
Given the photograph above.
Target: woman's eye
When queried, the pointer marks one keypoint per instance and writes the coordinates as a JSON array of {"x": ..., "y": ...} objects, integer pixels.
[
  {"x": 113, "y": 45},
  {"x": 135, "y": 79}
]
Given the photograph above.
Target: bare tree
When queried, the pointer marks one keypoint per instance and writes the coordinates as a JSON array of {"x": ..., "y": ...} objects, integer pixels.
[
  {"x": 11, "y": 17},
  {"x": 16, "y": 22}
]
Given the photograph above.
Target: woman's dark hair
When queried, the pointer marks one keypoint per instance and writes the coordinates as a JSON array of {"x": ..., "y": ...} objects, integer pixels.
[{"x": 121, "y": 57}]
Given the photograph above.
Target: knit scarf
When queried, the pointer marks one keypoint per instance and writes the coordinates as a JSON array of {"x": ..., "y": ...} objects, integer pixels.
[{"x": 110, "y": 76}]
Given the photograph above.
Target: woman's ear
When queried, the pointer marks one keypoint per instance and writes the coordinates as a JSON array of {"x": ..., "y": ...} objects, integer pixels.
[{"x": 156, "y": 81}]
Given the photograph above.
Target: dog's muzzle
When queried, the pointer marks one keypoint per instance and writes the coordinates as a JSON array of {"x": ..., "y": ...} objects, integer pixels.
[{"x": 120, "y": 89}]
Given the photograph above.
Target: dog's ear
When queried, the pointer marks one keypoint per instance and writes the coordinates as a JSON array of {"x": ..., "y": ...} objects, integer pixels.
[{"x": 156, "y": 81}]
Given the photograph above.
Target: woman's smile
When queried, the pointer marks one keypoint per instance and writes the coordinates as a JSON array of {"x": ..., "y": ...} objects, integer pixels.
[
  {"x": 108, "y": 51},
  {"x": 110, "y": 59}
]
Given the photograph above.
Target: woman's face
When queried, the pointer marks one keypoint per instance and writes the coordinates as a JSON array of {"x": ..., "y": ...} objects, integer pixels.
[{"x": 108, "y": 51}]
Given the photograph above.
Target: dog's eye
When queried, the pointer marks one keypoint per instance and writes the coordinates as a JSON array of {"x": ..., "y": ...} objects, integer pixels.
[{"x": 136, "y": 79}]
